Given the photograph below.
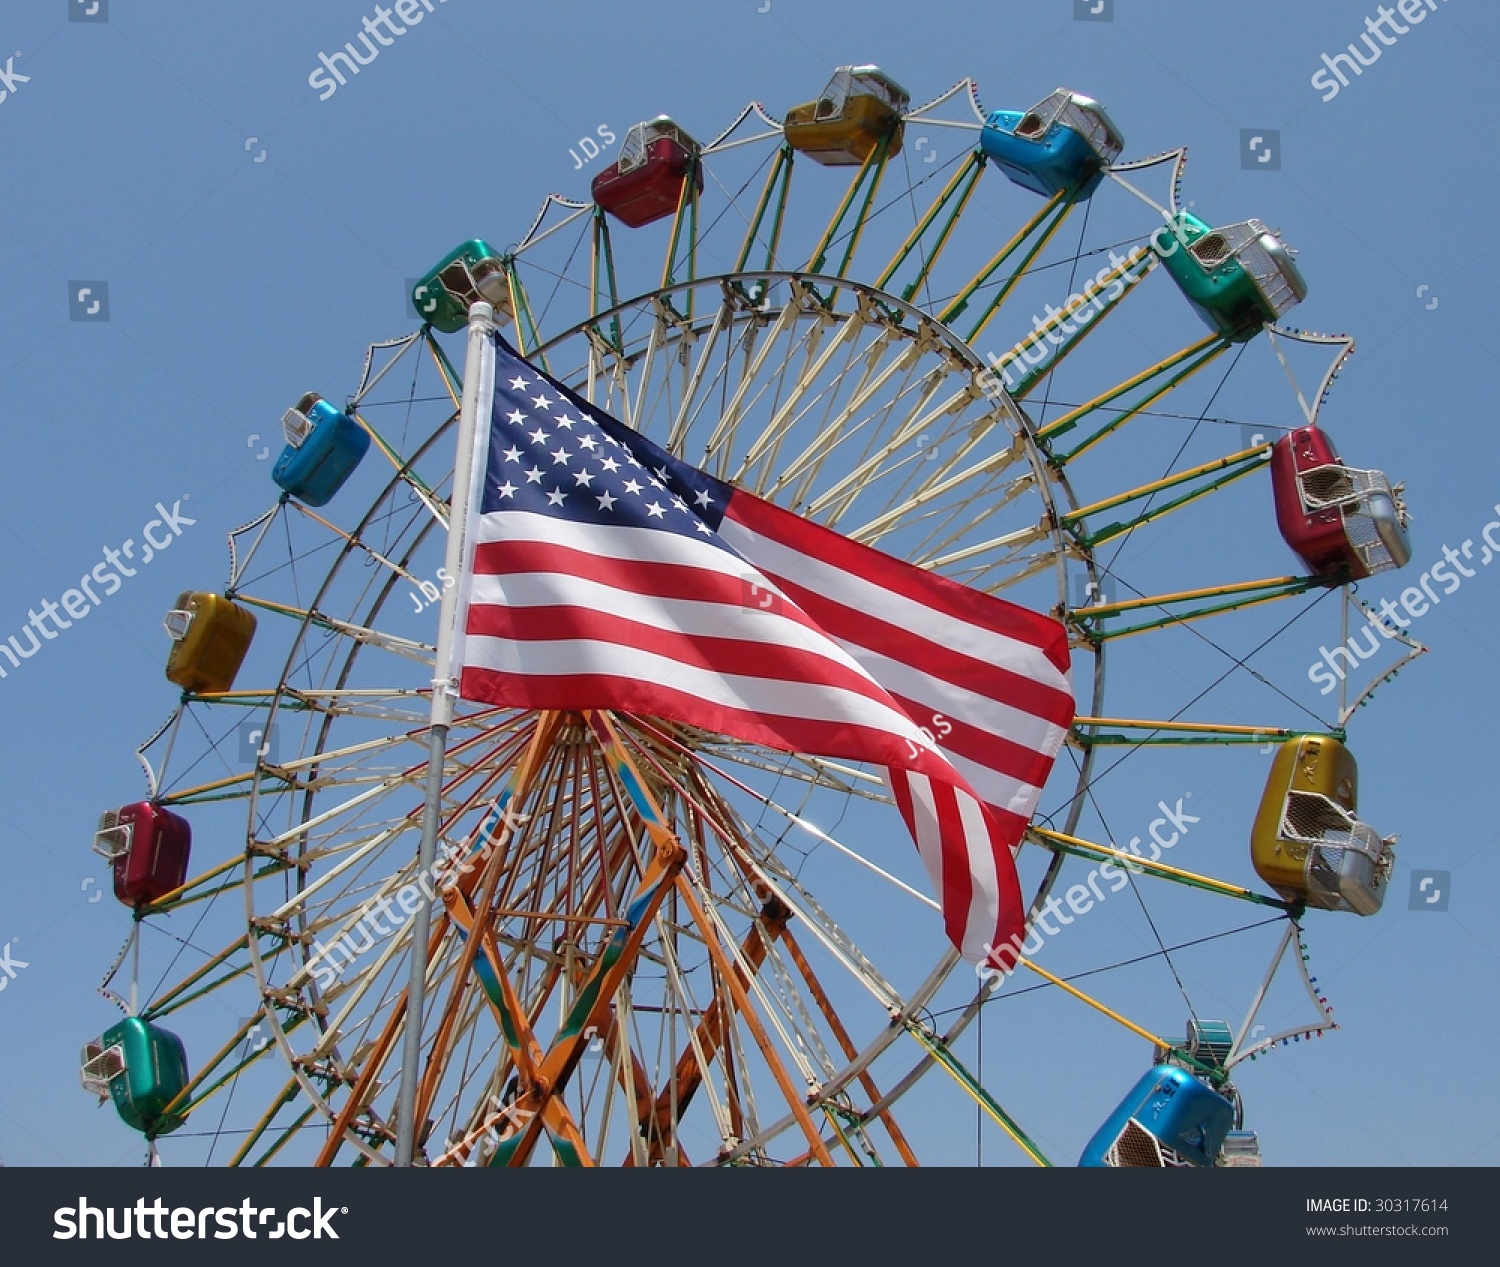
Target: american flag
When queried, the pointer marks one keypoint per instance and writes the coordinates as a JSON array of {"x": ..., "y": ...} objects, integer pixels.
[{"x": 606, "y": 573}]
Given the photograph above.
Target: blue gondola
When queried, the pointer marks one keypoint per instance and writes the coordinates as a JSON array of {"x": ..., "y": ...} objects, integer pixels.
[
  {"x": 323, "y": 446},
  {"x": 1061, "y": 145},
  {"x": 1169, "y": 1118}
]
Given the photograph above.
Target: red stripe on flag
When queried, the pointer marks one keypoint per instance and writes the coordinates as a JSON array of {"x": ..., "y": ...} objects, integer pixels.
[
  {"x": 656, "y": 699},
  {"x": 637, "y": 576},
  {"x": 958, "y": 883},
  {"x": 920, "y": 586},
  {"x": 985, "y": 748},
  {"x": 725, "y": 655},
  {"x": 905, "y": 645}
]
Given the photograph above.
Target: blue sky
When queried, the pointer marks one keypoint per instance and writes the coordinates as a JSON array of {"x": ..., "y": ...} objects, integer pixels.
[{"x": 254, "y": 237}]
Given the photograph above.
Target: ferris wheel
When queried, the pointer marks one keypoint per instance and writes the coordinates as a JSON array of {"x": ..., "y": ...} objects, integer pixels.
[{"x": 857, "y": 346}]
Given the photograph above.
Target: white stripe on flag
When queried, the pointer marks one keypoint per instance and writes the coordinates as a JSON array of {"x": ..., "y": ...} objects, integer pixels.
[
  {"x": 853, "y": 591},
  {"x": 993, "y": 787},
  {"x": 687, "y": 616},
  {"x": 567, "y": 657},
  {"x": 984, "y": 902},
  {"x": 925, "y": 826},
  {"x": 938, "y": 695},
  {"x": 610, "y": 541}
]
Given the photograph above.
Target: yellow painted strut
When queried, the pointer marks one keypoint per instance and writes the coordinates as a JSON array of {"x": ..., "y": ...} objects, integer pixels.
[
  {"x": 1135, "y": 862},
  {"x": 1094, "y": 1003},
  {"x": 1182, "y": 596}
]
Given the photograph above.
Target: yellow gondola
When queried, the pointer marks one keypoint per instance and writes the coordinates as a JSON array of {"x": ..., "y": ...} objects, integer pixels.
[
  {"x": 860, "y": 107},
  {"x": 1306, "y": 842}
]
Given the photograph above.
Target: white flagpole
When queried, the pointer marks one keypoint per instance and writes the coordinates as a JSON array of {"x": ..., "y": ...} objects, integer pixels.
[{"x": 468, "y": 473}]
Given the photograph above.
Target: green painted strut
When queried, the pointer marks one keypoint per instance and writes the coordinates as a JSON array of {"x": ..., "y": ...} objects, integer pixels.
[
  {"x": 962, "y": 186},
  {"x": 604, "y": 257},
  {"x": 940, "y": 1051},
  {"x": 690, "y": 205},
  {"x": 1035, "y": 249},
  {"x": 1249, "y": 596},
  {"x": 1171, "y": 741},
  {"x": 1187, "y": 879},
  {"x": 778, "y": 185},
  {"x": 1055, "y": 207},
  {"x": 1235, "y": 467},
  {"x": 1130, "y": 279},
  {"x": 1084, "y": 733},
  {"x": 869, "y": 180},
  {"x": 1215, "y": 349},
  {"x": 526, "y": 327}
]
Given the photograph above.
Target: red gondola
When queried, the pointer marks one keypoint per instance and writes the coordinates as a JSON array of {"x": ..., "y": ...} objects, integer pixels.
[
  {"x": 1337, "y": 518},
  {"x": 645, "y": 183},
  {"x": 148, "y": 847}
]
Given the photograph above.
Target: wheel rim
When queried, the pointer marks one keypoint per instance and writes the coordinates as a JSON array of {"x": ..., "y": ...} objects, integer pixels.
[{"x": 839, "y": 399}]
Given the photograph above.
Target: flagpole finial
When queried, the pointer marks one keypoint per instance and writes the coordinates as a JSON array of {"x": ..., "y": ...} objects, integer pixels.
[{"x": 481, "y": 315}]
